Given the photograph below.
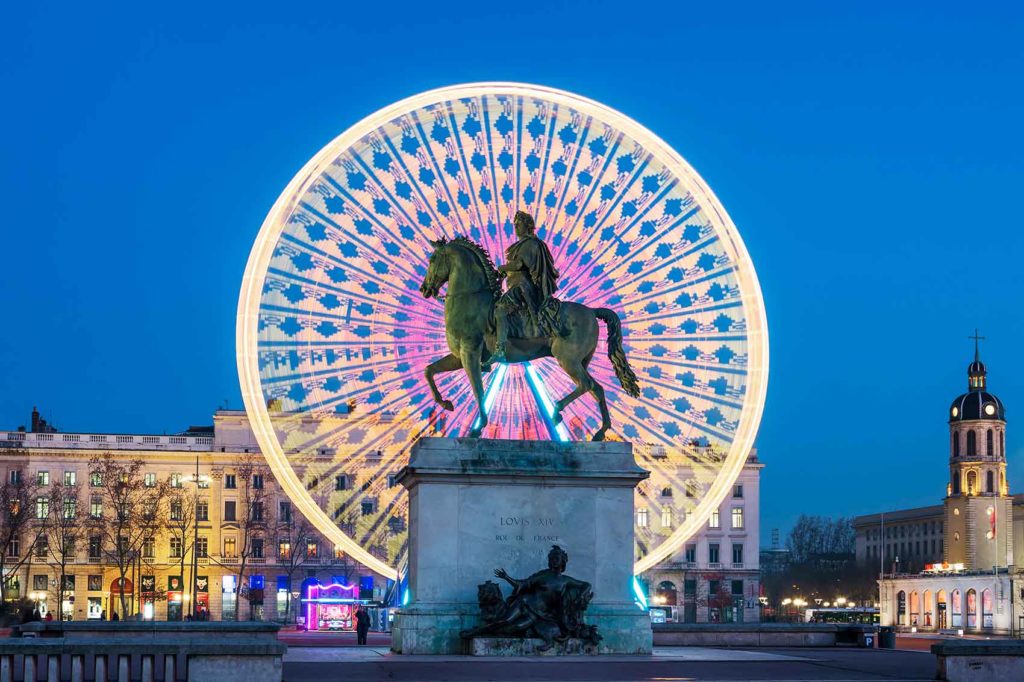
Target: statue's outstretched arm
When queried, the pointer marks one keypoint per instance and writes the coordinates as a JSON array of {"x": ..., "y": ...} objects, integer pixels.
[{"x": 501, "y": 573}]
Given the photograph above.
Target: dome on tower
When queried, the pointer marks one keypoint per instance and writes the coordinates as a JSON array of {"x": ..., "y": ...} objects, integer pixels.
[{"x": 977, "y": 403}]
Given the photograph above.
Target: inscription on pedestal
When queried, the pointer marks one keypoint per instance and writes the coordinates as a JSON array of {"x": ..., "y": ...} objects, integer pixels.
[{"x": 523, "y": 528}]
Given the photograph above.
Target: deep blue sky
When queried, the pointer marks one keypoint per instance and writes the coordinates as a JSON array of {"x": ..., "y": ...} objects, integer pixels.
[{"x": 872, "y": 158}]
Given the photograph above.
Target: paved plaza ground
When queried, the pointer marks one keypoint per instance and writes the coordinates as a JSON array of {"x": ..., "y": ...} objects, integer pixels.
[{"x": 668, "y": 664}]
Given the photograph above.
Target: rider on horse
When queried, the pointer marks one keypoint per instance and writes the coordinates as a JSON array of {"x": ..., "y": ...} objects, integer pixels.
[{"x": 532, "y": 279}]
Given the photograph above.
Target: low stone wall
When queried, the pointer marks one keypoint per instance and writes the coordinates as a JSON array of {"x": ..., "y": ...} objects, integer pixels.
[
  {"x": 142, "y": 651},
  {"x": 974, "y": 660},
  {"x": 754, "y": 634}
]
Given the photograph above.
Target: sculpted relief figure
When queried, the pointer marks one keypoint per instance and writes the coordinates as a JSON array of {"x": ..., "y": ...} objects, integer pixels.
[
  {"x": 484, "y": 325},
  {"x": 548, "y": 605}
]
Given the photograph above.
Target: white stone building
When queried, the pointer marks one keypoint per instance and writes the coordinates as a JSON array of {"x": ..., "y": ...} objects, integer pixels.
[
  {"x": 715, "y": 576},
  {"x": 956, "y": 566}
]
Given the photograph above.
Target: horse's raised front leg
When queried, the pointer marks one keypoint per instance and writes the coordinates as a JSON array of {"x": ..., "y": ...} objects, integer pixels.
[
  {"x": 471, "y": 363},
  {"x": 448, "y": 363}
]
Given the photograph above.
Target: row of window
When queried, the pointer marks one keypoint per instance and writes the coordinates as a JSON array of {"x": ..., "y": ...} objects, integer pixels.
[
  {"x": 906, "y": 529},
  {"x": 714, "y": 522},
  {"x": 972, "y": 443},
  {"x": 177, "y": 480},
  {"x": 175, "y": 548},
  {"x": 691, "y": 489},
  {"x": 176, "y": 509},
  {"x": 972, "y": 482},
  {"x": 917, "y": 548},
  {"x": 714, "y": 553}
]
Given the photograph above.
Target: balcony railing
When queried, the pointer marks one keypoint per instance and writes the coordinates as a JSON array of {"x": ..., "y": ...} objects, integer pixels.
[{"x": 103, "y": 441}]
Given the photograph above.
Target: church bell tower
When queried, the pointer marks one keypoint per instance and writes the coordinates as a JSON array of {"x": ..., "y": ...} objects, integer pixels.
[{"x": 978, "y": 529}]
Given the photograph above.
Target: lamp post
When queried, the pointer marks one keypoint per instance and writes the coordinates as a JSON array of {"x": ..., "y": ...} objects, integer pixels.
[{"x": 197, "y": 479}]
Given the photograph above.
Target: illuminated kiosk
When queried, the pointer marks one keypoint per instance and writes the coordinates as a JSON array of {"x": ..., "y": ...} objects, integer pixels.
[
  {"x": 333, "y": 336},
  {"x": 330, "y": 607}
]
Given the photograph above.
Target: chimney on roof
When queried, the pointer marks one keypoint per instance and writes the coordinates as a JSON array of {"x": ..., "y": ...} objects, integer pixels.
[{"x": 35, "y": 419}]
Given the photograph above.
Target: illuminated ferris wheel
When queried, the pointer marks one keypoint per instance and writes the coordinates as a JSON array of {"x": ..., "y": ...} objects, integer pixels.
[{"x": 333, "y": 334}]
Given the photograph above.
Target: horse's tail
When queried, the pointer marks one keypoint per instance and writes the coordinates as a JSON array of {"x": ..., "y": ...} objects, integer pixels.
[{"x": 625, "y": 374}]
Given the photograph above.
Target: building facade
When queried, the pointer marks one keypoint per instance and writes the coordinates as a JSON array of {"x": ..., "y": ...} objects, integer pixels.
[
  {"x": 715, "y": 576},
  {"x": 282, "y": 560},
  {"x": 955, "y": 566}
]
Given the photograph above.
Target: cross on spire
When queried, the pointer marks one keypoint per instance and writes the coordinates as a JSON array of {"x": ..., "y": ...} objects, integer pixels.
[{"x": 976, "y": 339}]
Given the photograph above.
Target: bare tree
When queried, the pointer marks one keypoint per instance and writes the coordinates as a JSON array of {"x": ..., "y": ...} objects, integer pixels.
[
  {"x": 181, "y": 507},
  {"x": 17, "y": 511},
  {"x": 254, "y": 519},
  {"x": 61, "y": 531},
  {"x": 294, "y": 534},
  {"x": 134, "y": 514}
]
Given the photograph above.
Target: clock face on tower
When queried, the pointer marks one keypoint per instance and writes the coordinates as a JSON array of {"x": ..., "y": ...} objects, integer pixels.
[
  {"x": 990, "y": 409},
  {"x": 956, "y": 411}
]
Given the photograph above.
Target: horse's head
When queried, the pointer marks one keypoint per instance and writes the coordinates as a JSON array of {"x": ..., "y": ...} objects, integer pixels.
[{"x": 438, "y": 269}]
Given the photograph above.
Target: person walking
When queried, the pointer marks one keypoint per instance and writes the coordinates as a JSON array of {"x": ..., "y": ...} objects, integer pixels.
[{"x": 362, "y": 625}]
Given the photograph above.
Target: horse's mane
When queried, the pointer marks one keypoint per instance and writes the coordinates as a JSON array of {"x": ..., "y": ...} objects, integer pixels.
[{"x": 485, "y": 261}]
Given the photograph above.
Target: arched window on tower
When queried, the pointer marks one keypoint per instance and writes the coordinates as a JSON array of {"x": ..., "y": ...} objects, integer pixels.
[
  {"x": 971, "y": 443},
  {"x": 972, "y": 482},
  {"x": 990, "y": 482},
  {"x": 956, "y": 443},
  {"x": 989, "y": 446},
  {"x": 1002, "y": 444},
  {"x": 956, "y": 482}
]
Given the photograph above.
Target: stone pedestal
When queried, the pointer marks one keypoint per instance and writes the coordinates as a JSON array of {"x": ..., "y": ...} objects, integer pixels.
[{"x": 479, "y": 504}]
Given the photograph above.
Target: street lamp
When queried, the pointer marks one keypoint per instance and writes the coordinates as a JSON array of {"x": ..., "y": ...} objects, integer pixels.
[{"x": 197, "y": 479}]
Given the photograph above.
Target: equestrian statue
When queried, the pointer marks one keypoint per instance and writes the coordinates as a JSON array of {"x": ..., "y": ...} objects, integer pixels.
[{"x": 484, "y": 325}]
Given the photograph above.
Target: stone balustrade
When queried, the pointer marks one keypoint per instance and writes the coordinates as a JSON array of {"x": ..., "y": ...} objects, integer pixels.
[
  {"x": 757, "y": 634},
  {"x": 971, "y": 660},
  {"x": 146, "y": 651}
]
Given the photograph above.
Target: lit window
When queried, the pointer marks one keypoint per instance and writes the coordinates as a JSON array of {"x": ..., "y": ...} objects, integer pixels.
[
  {"x": 312, "y": 550},
  {"x": 96, "y": 507},
  {"x": 42, "y": 507},
  {"x": 666, "y": 518},
  {"x": 284, "y": 549},
  {"x": 70, "y": 478},
  {"x": 714, "y": 521},
  {"x": 176, "y": 480},
  {"x": 641, "y": 517},
  {"x": 95, "y": 479},
  {"x": 737, "y": 517},
  {"x": 43, "y": 478},
  {"x": 70, "y": 507},
  {"x": 229, "y": 548},
  {"x": 202, "y": 547},
  {"x": 149, "y": 480}
]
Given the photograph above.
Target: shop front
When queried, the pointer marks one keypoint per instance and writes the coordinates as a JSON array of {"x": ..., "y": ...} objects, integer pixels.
[
  {"x": 330, "y": 607},
  {"x": 119, "y": 587},
  {"x": 175, "y": 596},
  {"x": 203, "y": 597}
]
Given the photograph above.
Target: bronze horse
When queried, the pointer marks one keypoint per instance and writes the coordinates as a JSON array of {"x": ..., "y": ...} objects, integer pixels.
[{"x": 473, "y": 287}]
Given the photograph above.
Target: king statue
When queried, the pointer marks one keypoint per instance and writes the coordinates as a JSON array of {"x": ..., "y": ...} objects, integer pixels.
[{"x": 531, "y": 280}]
